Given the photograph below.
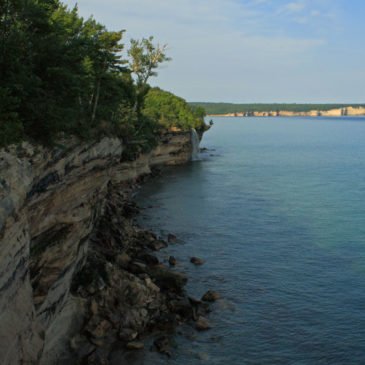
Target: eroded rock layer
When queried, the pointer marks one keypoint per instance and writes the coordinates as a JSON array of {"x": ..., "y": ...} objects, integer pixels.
[{"x": 59, "y": 266}]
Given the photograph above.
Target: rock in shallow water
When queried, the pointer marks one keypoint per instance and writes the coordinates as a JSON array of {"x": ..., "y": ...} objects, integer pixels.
[
  {"x": 162, "y": 345},
  {"x": 172, "y": 261},
  {"x": 196, "y": 261},
  {"x": 168, "y": 280},
  {"x": 210, "y": 296},
  {"x": 157, "y": 245},
  {"x": 181, "y": 307},
  {"x": 171, "y": 238},
  {"x": 203, "y": 324}
]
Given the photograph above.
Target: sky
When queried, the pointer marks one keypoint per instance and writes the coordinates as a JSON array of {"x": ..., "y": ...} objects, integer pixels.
[{"x": 248, "y": 51}]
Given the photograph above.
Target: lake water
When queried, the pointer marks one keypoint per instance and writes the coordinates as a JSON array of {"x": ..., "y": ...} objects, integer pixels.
[{"x": 277, "y": 210}]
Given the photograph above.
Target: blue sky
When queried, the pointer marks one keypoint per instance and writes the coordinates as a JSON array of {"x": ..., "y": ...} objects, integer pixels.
[{"x": 246, "y": 51}]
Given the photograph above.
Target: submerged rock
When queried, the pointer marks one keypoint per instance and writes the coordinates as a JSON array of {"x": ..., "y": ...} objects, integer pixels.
[
  {"x": 171, "y": 238},
  {"x": 157, "y": 245},
  {"x": 200, "y": 307},
  {"x": 162, "y": 345},
  {"x": 168, "y": 280},
  {"x": 196, "y": 261},
  {"x": 203, "y": 324},
  {"x": 172, "y": 261},
  {"x": 182, "y": 307},
  {"x": 210, "y": 296}
]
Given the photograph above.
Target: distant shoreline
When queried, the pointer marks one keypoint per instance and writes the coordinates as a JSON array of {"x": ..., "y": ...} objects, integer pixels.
[{"x": 336, "y": 112}]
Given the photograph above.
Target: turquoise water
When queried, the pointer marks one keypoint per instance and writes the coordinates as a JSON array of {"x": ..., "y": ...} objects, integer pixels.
[{"x": 277, "y": 210}]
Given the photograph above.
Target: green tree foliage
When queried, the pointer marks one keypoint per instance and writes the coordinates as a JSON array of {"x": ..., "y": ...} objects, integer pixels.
[
  {"x": 59, "y": 73},
  {"x": 144, "y": 59},
  {"x": 62, "y": 75},
  {"x": 170, "y": 111}
]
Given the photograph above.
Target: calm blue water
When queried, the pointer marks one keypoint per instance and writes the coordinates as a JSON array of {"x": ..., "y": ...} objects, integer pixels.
[{"x": 277, "y": 210}]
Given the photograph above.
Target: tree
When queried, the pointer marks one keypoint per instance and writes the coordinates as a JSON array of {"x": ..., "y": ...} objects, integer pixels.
[
  {"x": 169, "y": 110},
  {"x": 144, "y": 59},
  {"x": 60, "y": 75}
]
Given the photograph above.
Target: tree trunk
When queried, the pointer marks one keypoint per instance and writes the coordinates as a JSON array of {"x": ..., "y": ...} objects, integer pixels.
[{"x": 96, "y": 101}]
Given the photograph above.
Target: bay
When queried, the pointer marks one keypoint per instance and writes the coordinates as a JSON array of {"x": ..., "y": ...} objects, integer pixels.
[{"x": 276, "y": 209}]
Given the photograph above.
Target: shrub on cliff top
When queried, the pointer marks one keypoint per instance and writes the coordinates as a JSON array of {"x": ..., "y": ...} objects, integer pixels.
[{"x": 171, "y": 111}]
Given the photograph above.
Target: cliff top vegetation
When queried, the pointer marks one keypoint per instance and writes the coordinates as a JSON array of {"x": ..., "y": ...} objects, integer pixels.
[
  {"x": 170, "y": 111},
  {"x": 64, "y": 75}
]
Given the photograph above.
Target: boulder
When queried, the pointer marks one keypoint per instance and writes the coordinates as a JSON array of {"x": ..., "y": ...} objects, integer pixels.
[
  {"x": 134, "y": 345},
  {"x": 81, "y": 346},
  {"x": 166, "y": 321},
  {"x": 122, "y": 260},
  {"x": 137, "y": 267},
  {"x": 97, "y": 358},
  {"x": 148, "y": 259},
  {"x": 210, "y": 296},
  {"x": 172, "y": 261},
  {"x": 98, "y": 327},
  {"x": 203, "y": 324},
  {"x": 127, "y": 334},
  {"x": 194, "y": 302},
  {"x": 181, "y": 307},
  {"x": 157, "y": 245},
  {"x": 167, "y": 280},
  {"x": 171, "y": 238},
  {"x": 196, "y": 261},
  {"x": 162, "y": 345},
  {"x": 151, "y": 285},
  {"x": 203, "y": 308}
]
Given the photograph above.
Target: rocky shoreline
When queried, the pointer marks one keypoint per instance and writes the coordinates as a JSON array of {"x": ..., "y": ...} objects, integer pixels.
[
  {"x": 76, "y": 274},
  {"x": 128, "y": 293}
]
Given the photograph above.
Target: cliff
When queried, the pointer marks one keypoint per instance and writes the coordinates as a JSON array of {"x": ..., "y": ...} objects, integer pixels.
[
  {"x": 52, "y": 207},
  {"x": 350, "y": 111}
]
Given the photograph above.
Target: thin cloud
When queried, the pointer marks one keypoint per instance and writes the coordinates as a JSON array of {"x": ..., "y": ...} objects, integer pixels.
[
  {"x": 295, "y": 7},
  {"x": 231, "y": 50},
  {"x": 302, "y": 20}
]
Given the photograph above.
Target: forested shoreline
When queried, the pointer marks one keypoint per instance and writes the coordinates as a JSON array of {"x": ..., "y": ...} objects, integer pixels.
[
  {"x": 225, "y": 108},
  {"x": 63, "y": 75}
]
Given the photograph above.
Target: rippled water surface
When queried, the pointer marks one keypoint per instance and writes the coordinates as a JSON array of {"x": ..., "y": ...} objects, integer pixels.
[{"x": 277, "y": 210}]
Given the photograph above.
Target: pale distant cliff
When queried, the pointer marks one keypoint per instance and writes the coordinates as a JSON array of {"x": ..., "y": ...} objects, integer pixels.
[{"x": 338, "y": 112}]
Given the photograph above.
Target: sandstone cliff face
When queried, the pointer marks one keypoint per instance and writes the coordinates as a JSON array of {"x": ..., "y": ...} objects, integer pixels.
[
  {"x": 350, "y": 111},
  {"x": 49, "y": 204}
]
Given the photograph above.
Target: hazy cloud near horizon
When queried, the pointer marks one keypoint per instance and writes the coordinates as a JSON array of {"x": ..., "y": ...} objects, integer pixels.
[{"x": 248, "y": 51}]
